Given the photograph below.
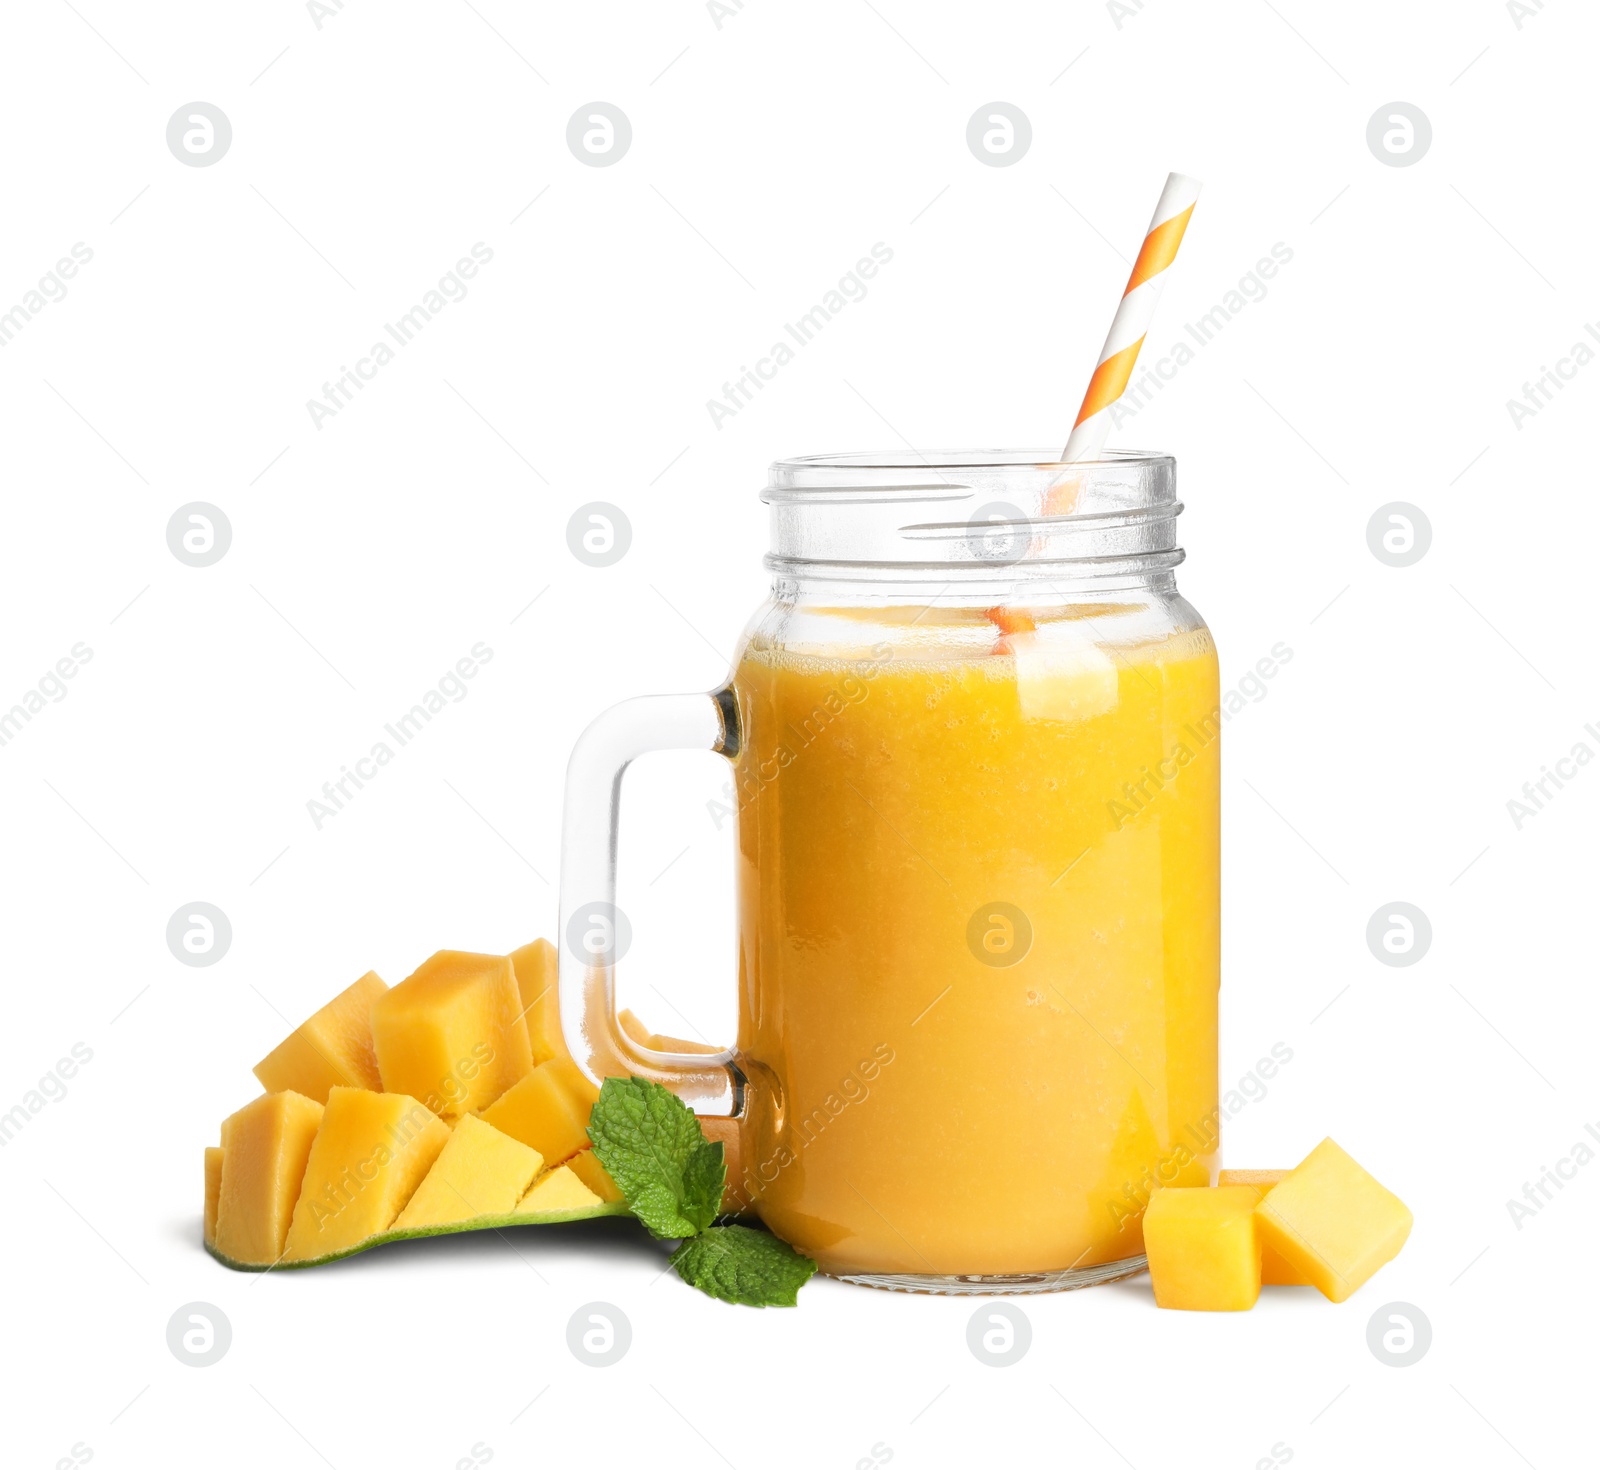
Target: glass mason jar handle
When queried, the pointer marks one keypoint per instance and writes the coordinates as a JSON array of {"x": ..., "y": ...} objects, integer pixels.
[{"x": 590, "y": 923}]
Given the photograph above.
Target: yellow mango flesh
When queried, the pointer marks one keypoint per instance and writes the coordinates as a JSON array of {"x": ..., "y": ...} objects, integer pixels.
[
  {"x": 368, "y": 1158},
  {"x": 536, "y": 965},
  {"x": 1275, "y": 1271},
  {"x": 332, "y": 1049},
  {"x": 644, "y": 1036},
  {"x": 213, "y": 1192},
  {"x": 592, "y": 1173},
  {"x": 265, "y": 1146},
  {"x": 1332, "y": 1221},
  {"x": 1202, "y": 1247},
  {"x": 559, "y": 1189},
  {"x": 452, "y": 1034},
  {"x": 480, "y": 1171},
  {"x": 636, "y": 1029},
  {"x": 548, "y": 1110}
]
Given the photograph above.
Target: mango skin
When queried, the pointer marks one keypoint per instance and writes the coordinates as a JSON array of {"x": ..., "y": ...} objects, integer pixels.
[
  {"x": 1203, "y": 1250},
  {"x": 1333, "y": 1222}
]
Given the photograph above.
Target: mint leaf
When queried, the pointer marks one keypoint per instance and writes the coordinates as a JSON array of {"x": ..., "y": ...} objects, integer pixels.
[
  {"x": 652, "y": 1147},
  {"x": 704, "y": 1177},
  {"x": 744, "y": 1266}
]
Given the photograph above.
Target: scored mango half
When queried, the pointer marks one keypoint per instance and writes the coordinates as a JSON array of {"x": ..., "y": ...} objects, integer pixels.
[{"x": 446, "y": 1103}]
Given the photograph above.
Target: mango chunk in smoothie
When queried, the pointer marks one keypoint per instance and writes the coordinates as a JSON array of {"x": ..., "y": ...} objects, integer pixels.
[
  {"x": 367, "y": 1159},
  {"x": 332, "y": 1049},
  {"x": 548, "y": 1110},
  {"x": 1332, "y": 1221},
  {"x": 1275, "y": 1271},
  {"x": 480, "y": 1171},
  {"x": 452, "y": 1034},
  {"x": 264, "y": 1150},
  {"x": 1203, "y": 1250}
]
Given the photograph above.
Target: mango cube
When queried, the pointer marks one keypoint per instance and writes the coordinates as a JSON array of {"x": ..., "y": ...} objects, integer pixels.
[
  {"x": 1202, "y": 1248},
  {"x": 265, "y": 1146},
  {"x": 1332, "y": 1221},
  {"x": 548, "y": 1110},
  {"x": 368, "y": 1158},
  {"x": 213, "y": 1192},
  {"x": 593, "y": 1175},
  {"x": 452, "y": 1034},
  {"x": 480, "y": 1171},
  {"x": 536, "y": 966},
  {"x": 332, "y": 1049},
  {"x": 559, "y": 1189},
  {"x": 1275, "y": 1271}
]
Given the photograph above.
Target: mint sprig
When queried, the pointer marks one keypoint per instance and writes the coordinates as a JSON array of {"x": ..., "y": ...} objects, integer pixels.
[
  {"x": 653, "y": 1149},
  {"x": 672, "y": 1178},
  {"x": 750, "y": 1267}
]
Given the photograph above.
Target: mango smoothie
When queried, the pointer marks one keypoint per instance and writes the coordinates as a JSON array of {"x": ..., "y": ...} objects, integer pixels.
[{"x": 979, "y": 948}]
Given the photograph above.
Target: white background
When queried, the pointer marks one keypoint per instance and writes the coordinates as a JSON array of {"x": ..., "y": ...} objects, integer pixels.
[{"x": 368, "y": 555}]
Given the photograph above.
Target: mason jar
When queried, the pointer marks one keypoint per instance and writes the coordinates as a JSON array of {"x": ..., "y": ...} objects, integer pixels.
[{"x": 975, "y": 740}]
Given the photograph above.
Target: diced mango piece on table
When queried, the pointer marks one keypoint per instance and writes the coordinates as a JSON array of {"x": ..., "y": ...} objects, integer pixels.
[
  {"x": 1275, "y": 1271},
  {"x": 367, "y": 1159},
  {"x": 1202, "y": 1248},
  {"x": 558, "y": 1189},
  {"x": 548, "y": 1110},
  {"x": 593, "y": 1174},
  {"x": 536, "y": 967},
  {"x": 213, "y": 1192},
  {"x": 332, "y": 1049},
  {"x": 452, "y": 1034},
  {"x": 1332, "y": 1221},
  {"x": 265, "y": 1146},
  {"x": 480, "y": 1171}
]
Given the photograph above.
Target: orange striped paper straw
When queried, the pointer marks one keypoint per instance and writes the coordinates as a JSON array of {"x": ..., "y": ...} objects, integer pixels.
[{"x": 1134, "y": 314}]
